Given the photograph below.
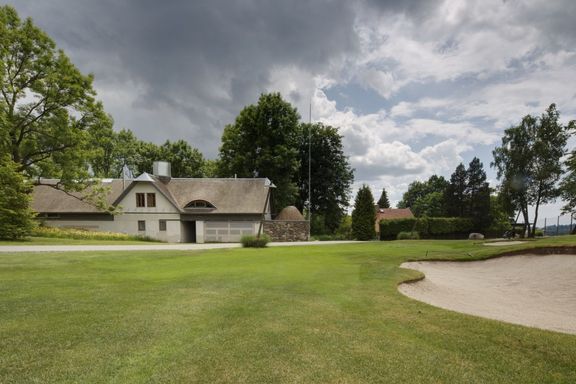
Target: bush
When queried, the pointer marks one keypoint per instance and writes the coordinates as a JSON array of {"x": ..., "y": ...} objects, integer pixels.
[
  {"x": 330, "y": 237},
  {"x": 427, "y": 227},
  {"x": 389, "y": 229},
  {"x": 251, "y": 241},
  {"x": 84, "y": 234},
  {"x": 408, "y": 236},
  {"x": 539, "y": 233}
]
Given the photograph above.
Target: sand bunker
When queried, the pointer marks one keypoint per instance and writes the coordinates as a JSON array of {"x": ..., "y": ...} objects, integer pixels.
[{"x": 531, "y": 290}]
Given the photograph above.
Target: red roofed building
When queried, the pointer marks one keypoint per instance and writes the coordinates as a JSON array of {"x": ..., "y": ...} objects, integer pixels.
[{"x": 390, "y": 214}]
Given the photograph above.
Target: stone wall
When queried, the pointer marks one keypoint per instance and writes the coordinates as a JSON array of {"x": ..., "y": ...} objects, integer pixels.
[{"x": 287, "y": 230}]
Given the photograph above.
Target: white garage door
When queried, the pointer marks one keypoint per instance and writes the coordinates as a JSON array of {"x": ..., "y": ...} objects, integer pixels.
[{"x": 227, "y": 231}]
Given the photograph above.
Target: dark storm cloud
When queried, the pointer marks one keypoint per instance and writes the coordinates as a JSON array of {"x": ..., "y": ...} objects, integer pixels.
[
  {"x": 414, "y": 8},
  {"x": 202, "y": 60}
]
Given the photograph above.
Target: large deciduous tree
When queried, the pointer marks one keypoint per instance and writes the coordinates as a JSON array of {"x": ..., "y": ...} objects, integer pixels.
[
  {"x": 418, "y": 200},
  {"x": 46, "y": 105},
  {"x": 16, "y": 217},
  {"x": 528, "y": 162},
  {"x": 568, "y": 184},
  {"x": 364, "y": 215},
  {"x": 263, "y": 142},
  {"x": 331, "y": 176}
]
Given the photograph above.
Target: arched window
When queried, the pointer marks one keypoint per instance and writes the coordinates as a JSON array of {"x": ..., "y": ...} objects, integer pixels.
[{"x": 199, "y": 204}]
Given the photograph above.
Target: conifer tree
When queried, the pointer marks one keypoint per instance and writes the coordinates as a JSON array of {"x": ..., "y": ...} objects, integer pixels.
[
  {"x": 383, "y": 202},
  {"x": 364, "y": 215}
]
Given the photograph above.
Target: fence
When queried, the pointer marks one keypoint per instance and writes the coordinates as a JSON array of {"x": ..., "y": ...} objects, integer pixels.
[{"x": 555, "y": 226}]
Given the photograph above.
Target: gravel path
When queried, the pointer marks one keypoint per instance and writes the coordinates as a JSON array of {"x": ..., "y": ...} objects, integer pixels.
[{"x": 531, "y": 290}]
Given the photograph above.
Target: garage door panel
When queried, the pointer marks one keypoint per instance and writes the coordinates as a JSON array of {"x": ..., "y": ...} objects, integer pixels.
[{"x": 227, "y": 231}]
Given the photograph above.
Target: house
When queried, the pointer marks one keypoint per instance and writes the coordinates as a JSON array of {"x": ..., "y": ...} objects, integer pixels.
[
  {"x": 390, "y": 214},
  {"x": 169, "y": 209}
]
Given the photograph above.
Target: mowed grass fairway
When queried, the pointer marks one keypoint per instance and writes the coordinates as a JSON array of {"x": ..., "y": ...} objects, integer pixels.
[{"x": 316, "y": 314}]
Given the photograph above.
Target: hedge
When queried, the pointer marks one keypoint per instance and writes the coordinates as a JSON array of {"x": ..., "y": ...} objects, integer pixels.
[{"x": 427, "y": 227}]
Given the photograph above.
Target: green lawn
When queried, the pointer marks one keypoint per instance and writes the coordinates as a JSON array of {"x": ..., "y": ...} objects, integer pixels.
[{"x": 327, "y": 314}]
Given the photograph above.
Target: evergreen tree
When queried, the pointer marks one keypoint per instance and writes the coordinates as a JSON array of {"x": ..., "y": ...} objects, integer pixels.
[
  {"x": 364, "y": 215},
  {"x": 455, "y": 196},
  {"x": 383, "y": 201},
  {"x": 16, "y": 217},
  {"x": 478, "y": 195}
]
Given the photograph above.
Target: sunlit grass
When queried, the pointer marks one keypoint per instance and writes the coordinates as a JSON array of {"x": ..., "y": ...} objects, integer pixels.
[{"x": 282, "y": 315}]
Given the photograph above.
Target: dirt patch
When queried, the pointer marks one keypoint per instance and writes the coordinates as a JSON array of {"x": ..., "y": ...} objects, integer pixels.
[{"x": 530, "y": 289}]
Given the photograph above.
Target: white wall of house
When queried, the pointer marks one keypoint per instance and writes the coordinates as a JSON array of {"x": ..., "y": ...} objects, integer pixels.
[
  {"x": 128, "y": 223},
  {"x": 163, "y": 205}
]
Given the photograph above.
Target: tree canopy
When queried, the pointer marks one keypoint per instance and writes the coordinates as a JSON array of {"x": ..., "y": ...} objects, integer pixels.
[
  {"x": 331, "y": 176},
  {"x": 528, "y": 162},
  {"x": 568, "y": 185},
  {"x": 47, "y": 106},
  {"x": 263, "y": 142},
  {"x": 417, "y": 199},
  {"x": 16, "y": 217}
]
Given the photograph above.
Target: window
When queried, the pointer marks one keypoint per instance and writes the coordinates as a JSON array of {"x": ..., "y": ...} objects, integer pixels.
[
  {"x": 146, "y": 200},
  {"x": 141, "y": 225},
  {"x": 151, "y": 199},
  {"x": 162, "y": 225},
  {"x": 140, "y": 200},
  {"x": 199, "y": 204}
]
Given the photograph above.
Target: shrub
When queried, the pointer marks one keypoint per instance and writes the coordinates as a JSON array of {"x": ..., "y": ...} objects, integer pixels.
[
  {"x": 389, "y": 229},
  {"x": 330, "y": 237},
  {"x": 251, "y": 241},
  {"x": 427, "y": 227},
  {"x": 84, "y": 234},
  {"x": 408, "y": 236},
  {"x": 539, "y": 233}
]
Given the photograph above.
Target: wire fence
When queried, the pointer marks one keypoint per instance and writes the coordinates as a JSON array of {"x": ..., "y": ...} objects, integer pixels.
[{"x": 556, "y": 226}]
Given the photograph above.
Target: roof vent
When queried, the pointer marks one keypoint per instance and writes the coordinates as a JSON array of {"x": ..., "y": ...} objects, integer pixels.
[{"x": 162, "y": 170}]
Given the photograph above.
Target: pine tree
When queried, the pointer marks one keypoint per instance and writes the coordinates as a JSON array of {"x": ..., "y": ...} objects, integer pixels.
[
  {"x": 478, "y": 195},
  {"x": 364, "y": 215},
  {"x": 383, "y": 202},
  {"x": 455, "y": 195}
]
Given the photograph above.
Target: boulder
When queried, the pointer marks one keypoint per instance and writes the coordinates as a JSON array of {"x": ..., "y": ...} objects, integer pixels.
[{"x": 476, "y": 236}]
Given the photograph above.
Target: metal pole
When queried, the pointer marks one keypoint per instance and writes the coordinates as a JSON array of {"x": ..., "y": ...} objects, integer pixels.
[
  {"x": 545, "y": 228},
  {"x": 558, "y": 226},
  {"x": 264, "y": 212},
  {"x": 310, "y": 172}
]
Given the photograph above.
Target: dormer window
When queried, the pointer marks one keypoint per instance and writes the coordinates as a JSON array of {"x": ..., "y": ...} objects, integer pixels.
[{"x": 199, "y": 204}]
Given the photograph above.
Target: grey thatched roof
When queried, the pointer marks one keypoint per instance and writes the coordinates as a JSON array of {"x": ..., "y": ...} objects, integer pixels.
[{"x": 229, "y": 196}]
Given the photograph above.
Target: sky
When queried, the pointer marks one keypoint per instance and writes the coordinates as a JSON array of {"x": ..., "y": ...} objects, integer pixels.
[{"x": 415, "y": 86}]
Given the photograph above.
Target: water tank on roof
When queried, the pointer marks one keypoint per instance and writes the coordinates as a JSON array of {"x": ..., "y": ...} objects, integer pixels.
[{"x": 162, "y": 169}]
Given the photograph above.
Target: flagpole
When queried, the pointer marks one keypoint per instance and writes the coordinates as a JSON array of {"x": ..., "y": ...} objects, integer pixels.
[{"x": 310, "y": 172}]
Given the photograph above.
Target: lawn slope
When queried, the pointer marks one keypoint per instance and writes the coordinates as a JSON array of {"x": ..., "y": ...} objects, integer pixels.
[{"x": 284, "y": 315}]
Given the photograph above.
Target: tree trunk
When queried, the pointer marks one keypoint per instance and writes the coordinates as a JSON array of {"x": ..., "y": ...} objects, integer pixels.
[{"x": 526, "y": 221}]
